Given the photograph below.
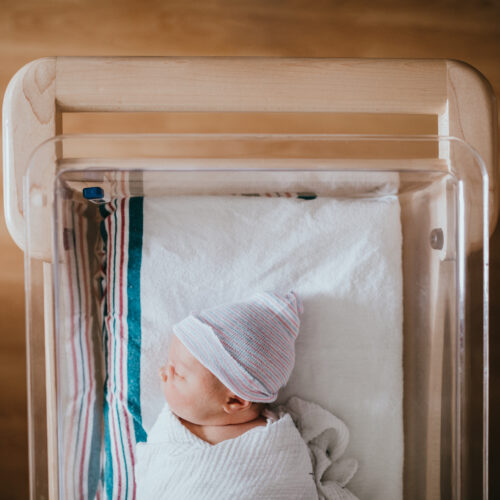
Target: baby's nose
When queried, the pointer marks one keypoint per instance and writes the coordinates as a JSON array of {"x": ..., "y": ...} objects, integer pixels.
[{"x": 163, "y": 374}]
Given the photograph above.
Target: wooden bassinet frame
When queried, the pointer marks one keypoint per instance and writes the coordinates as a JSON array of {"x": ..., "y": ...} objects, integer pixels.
[{"x": 44, "y": 89}]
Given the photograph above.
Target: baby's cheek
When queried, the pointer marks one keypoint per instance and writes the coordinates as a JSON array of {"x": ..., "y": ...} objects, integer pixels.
[{"x": 175, "y": 397}]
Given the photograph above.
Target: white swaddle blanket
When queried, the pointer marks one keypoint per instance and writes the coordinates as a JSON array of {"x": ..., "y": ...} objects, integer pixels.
[{"x": 271, "y": 462}]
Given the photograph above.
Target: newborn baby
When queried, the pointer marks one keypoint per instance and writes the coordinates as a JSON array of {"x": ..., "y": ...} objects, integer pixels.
[{"x": 216, "y": 437}]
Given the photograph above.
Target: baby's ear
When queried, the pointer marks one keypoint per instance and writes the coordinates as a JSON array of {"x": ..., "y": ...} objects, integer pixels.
[{"x": 235, "y": 404}]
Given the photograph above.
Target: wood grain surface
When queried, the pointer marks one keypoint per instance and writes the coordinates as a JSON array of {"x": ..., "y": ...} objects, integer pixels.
[{"x": 465, "y": 30}]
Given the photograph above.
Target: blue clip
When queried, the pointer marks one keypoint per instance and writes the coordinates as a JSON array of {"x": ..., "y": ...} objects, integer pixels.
[
  {"x": 307, "y": 196},
  {"x": 95, "y": 194}
]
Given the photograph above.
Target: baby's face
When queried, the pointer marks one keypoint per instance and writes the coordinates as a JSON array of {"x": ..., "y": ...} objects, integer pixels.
[{"x": 192, "y": 392}]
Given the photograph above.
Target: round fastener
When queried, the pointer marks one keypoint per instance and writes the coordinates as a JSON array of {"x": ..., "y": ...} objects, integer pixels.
[{"x": 437, "y": 239}]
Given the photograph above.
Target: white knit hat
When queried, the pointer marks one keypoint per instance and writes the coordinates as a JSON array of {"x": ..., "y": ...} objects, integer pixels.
[{"x": 249, "y": 346}]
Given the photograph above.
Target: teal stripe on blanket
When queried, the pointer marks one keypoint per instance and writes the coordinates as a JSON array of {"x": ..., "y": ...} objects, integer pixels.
[
  {"x": 95, "y": 452},
  {"x": 134, "y": 314}
]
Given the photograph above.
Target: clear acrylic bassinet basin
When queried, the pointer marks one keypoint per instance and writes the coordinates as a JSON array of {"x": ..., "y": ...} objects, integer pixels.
[{"x": 437, "y": 181}]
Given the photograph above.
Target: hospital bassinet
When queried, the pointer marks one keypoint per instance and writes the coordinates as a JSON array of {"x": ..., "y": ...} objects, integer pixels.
[{"x": 445, "y": 184}]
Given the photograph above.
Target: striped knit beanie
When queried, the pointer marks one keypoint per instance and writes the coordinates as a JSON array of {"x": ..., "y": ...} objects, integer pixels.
[{"x": 249, "y": 346}]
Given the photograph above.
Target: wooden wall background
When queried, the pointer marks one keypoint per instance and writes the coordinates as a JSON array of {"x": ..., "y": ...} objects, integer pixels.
[{"x": 461, "y": 29}]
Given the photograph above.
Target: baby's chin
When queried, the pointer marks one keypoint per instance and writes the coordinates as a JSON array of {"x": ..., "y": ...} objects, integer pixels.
[
  {"x": 180, "y": 412},
  {"x": 188, "y": 415}
]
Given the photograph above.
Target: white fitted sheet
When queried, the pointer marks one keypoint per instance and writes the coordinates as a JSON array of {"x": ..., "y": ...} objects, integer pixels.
[{"x": 342, "y": 256}]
